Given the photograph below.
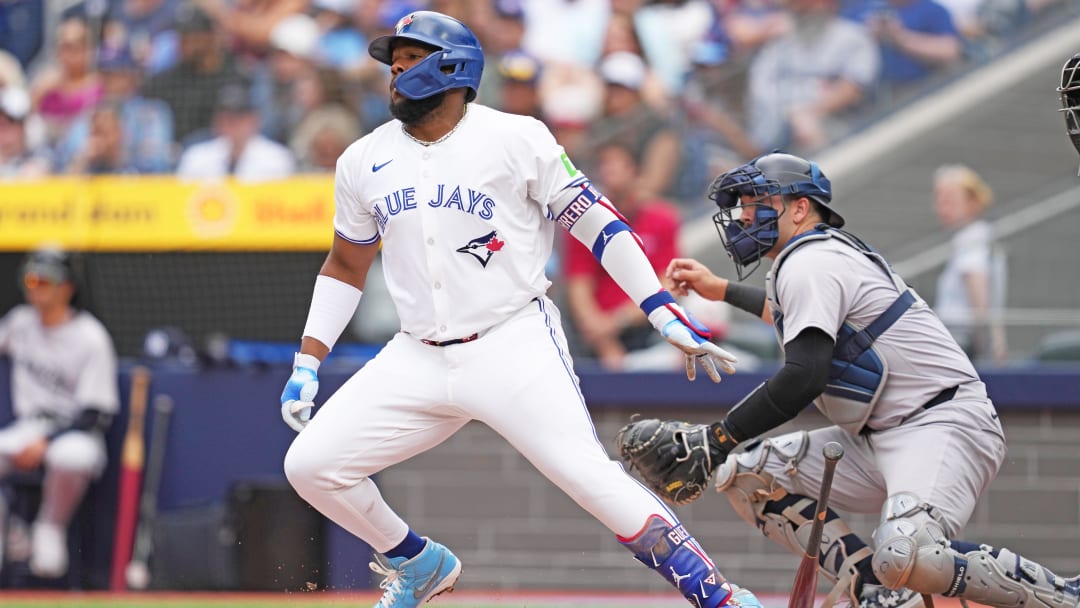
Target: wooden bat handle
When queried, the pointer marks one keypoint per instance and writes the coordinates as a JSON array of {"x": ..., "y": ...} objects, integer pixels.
[{"x": 833, "y": 452}]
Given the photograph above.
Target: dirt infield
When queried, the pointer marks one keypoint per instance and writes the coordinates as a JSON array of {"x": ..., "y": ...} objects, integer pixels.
[{"x": 497, "y": 599}]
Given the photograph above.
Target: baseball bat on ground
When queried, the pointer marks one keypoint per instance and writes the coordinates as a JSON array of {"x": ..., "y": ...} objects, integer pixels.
[
  {"x": 131, "y": 471},
  {"x": 137, "y": 573},
  {"x": 804, "y": 589}
]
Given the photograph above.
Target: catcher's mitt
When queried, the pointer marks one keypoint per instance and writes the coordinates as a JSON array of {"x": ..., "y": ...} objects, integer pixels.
[{"x": 675, "y": 459}]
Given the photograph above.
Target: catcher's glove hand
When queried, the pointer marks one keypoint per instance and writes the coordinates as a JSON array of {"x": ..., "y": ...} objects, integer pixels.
[{"x": 675, "y": 459}]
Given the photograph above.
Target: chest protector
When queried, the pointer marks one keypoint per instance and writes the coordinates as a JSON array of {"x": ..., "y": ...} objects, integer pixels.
[{"x": 857, "y": 372}]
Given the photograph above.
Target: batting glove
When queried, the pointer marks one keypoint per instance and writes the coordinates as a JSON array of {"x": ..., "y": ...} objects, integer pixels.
[
  {"x": 689, "y": 335},
  {"x": 298, "y": 398}
]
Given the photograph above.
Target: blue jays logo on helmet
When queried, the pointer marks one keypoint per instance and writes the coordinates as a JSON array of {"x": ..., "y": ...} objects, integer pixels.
[
  {"x": 457, "y": 60},
  {"x": 483, "y": 247}
]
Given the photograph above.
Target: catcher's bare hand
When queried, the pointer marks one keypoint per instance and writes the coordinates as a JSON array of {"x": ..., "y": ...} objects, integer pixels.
[
  {"x": 686, "y": 274},
  {"x": 675, "y": 459}
]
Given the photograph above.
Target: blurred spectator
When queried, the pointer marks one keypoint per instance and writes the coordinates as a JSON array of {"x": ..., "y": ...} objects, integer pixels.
[
  {"x": 293, "y": 45},
  {"x": 628, "y": 120},
  {"x": 191, "y": 88},
  {"x": 971, "y": 288},
  {"x": 69, "y": 85},
  {"x": 739, "y": 29},
  {"x": 64, "y": 395},
  {"x": 103, "y": 151},
  {"x": 239, "y": 150},
  {"x": 341, "y": 45},
  {"x": 22, "y": 29},
  {"x": 11, "y": 72},
  {"x": 520, "y": 74},
  {"x": 669, "y": 31},
  {"x": 621, "y": 36},
  {"x": 502, "y": 32},
  {"x": 17, "y": 159},
  {"x": 805, "y": 85},
  {"x": 322, "y": 137},
  {"x": 916, "y": 37},
  {"x": 146, "y": 27},
  {"x": 713, "y": 139},
  {"x": 321, "y": 98},
  {"x": 249, "y": 23},
  {"x": 610, "y": 324},
  {"x": 146, "y": 125},
  {"x": 565, "y": 31},
  {"x": 569, "y": 108}
]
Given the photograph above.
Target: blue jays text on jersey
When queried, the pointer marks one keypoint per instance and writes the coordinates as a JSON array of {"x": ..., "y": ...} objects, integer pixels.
[{"x": 398, "y": 201}]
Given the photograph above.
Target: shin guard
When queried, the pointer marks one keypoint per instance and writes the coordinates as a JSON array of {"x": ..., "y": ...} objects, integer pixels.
[{"x": 674, "y": 554}]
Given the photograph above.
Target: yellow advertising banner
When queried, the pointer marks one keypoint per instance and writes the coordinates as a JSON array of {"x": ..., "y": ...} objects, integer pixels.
[{"x": 122, "y": 213}]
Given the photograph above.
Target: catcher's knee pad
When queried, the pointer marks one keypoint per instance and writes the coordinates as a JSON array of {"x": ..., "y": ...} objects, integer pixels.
[
  {"x": 995, "y": 577},
  {"x": 910, "y": 531},
  {"x": 671, "y": 551},
  {"x": 785, "y": 518}
]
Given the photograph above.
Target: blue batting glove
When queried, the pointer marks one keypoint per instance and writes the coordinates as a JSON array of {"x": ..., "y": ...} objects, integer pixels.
[
  {"x": 691, "y": 336},
  {"x": 298, "y": 398}
]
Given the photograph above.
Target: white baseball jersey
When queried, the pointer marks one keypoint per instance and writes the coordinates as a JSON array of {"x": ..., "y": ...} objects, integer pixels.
[
  {"x": 58, "y": 371},
  {"x": 472, "y": 225},
  {"x": 826, "y": 283}
]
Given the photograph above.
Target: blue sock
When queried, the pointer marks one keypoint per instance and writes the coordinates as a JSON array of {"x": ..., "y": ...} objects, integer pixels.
[{"x": 408, "y": 548}]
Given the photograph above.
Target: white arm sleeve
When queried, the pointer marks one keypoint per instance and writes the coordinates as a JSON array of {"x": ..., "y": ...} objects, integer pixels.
[{"x": 333, "y": 303}]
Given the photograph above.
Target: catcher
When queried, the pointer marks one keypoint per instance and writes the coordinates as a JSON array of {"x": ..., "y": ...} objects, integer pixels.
[{"x": 922, "y": 440}]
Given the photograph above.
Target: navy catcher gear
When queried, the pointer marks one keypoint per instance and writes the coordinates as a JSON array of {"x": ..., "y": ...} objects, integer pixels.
[
  {"x": 774, "y": 174},
  {"x": 458, "y": 60},
  {"x": 1070, "y": 98}
]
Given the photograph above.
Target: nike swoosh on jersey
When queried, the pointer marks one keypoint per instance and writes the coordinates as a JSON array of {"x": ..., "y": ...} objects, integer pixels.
[
  {"x": 419, "y": 593},
  {"x": 375, "y": 168}
]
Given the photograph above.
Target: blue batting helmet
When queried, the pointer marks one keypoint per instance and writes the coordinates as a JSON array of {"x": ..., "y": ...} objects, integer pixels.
[{"x": 457, "y": 48}]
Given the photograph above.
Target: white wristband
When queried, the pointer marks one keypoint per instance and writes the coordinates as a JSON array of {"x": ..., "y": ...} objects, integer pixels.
[{"x": 333, "y": 303}]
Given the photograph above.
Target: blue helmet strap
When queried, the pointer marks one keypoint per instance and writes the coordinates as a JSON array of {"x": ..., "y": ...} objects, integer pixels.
[{"x": 424, "y": 79}]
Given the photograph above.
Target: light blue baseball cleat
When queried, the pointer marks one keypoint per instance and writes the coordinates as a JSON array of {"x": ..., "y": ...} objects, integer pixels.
[
  {"x": 742, "y": 597},
  {"x": 412, "y": 582}
]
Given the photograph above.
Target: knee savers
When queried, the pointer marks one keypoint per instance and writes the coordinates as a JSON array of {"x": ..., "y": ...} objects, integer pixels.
[
  {"x": 912, "y": 551},
  {"x": 786, "y": 518}
]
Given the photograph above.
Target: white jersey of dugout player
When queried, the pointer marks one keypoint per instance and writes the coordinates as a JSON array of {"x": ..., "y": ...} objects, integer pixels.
[
  {"x": 57, "y": 371},
  {"x": 471, "y": 245},
  {"x": 826, "y": 283}
]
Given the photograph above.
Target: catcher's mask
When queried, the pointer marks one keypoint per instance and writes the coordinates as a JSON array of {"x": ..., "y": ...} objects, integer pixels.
[
  {"x": 746, "y": 186},
  {"x": 457, "y": 60},
  {"x": 1070, "y": 99}
]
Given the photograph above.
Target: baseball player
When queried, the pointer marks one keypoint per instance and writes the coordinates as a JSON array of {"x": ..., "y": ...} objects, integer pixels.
[
  {"x": 64, "y": 395},
  {"x": 464, "y": 201},
  {"x": 922, "y": 440}
]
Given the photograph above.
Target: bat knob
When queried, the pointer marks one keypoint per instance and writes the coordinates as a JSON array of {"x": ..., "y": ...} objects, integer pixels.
[{"x": 833, "y": 451}]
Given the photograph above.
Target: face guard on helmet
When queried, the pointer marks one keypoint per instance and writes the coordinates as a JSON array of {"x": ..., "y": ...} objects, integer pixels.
[
  {"x": 457, "y": 61},
  {"x": 1070, "y": 99},
  {"x": 748, "y": 186}
]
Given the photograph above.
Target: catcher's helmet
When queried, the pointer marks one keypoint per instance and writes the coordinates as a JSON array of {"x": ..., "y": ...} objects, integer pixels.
[
  {"x": 772, "y": 174},
  {"x": 457, "y": 49},
  {"x": 1070, "y": 98}
]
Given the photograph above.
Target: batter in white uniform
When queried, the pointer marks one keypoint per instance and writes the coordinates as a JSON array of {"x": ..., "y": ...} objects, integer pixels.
[
  {"x": 922, "y": 440},
  {"x": 464, "y": 201},
  {"x": 64, "y": 395}
]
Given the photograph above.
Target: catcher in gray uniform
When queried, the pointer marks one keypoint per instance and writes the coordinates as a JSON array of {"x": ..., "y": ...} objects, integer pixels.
[{"x": 922, "y": 440}]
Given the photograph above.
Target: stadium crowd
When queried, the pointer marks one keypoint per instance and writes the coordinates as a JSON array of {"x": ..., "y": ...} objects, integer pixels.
[{"x": 260, "y": 89}]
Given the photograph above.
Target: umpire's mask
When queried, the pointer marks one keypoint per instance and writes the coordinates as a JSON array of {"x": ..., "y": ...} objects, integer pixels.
[{"x": 1070, "y": 99}]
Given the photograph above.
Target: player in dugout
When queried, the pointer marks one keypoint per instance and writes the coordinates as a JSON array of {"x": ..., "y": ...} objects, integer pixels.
[
  {"x": 921, "y": 438},
  {"x": 64, "y": 395}
]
